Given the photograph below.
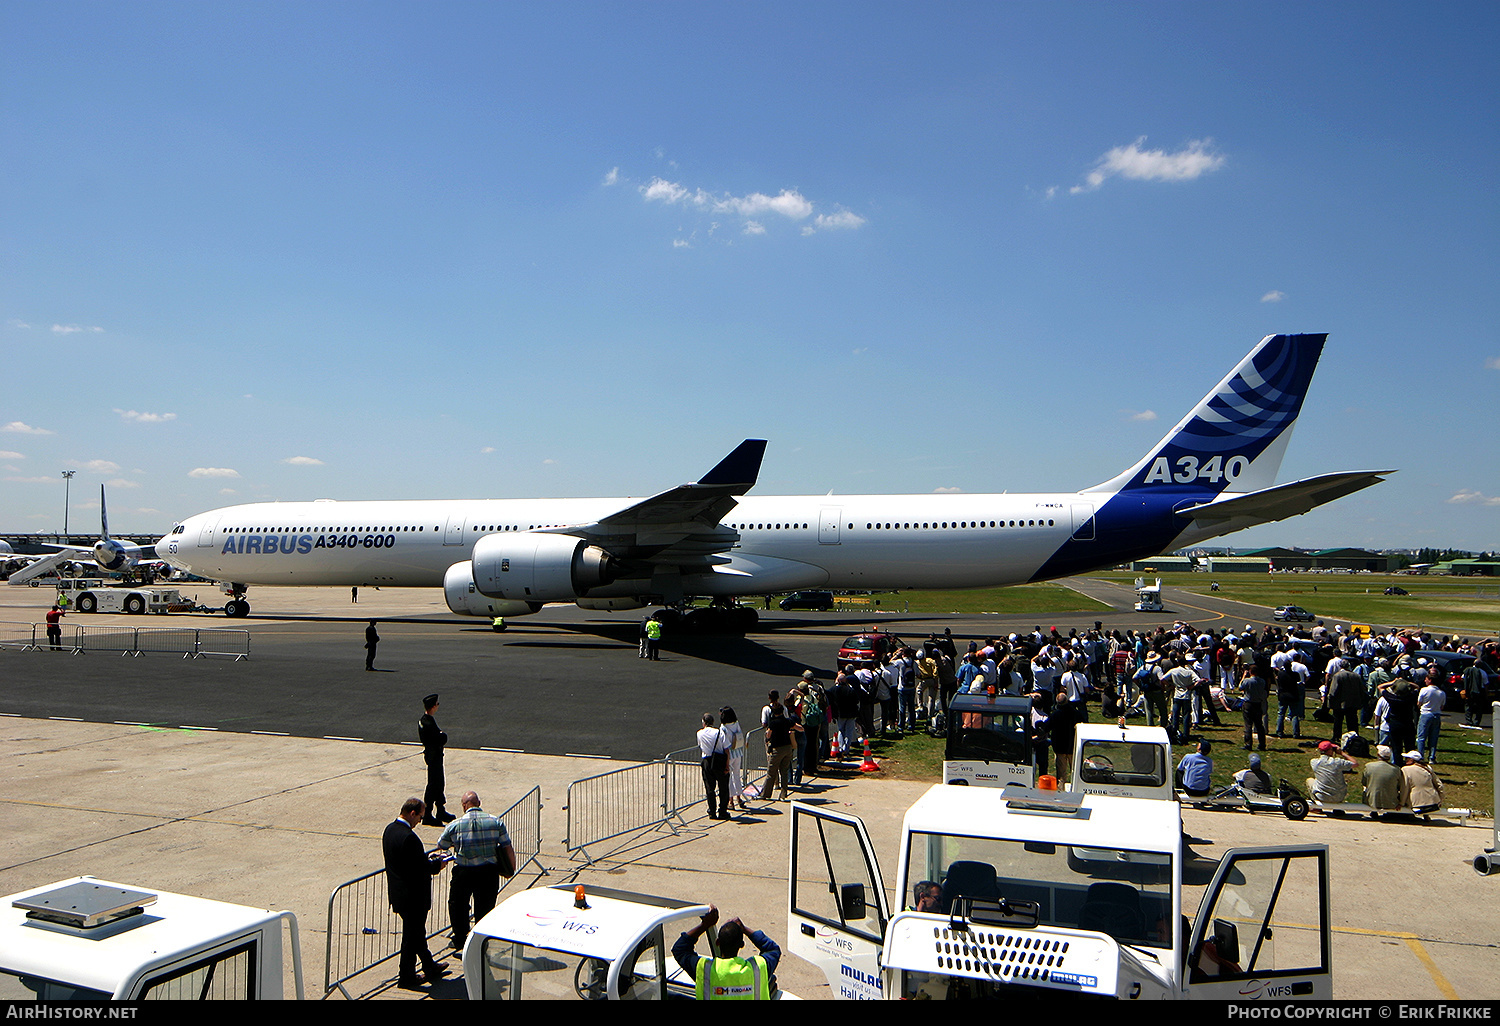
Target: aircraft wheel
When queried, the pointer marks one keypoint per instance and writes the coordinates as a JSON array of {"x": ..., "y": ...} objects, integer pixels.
[
  {"x": 1294, "y": 809},
  {"x": 135, "y": 605},
  {"x": 237, "y": 608}
]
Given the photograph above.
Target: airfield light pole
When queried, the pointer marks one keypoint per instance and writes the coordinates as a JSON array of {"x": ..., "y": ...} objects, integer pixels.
[{"x": 67, "y": 492}]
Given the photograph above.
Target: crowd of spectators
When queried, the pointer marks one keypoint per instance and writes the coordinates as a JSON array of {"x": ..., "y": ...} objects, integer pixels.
[{"x": 1181, "y": 678}]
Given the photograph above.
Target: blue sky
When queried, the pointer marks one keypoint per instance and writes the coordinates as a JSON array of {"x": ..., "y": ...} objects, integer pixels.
[{"x": 368, "y": 250}]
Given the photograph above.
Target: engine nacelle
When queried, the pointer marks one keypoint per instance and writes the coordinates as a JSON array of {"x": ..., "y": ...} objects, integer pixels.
[
  {"x": 466, "y": 600},
  {"x": 610, "y": 604},
  {"x": 531, "y": 567}
]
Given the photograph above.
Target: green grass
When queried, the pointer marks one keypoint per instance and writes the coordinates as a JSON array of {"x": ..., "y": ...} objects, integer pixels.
[
  {"x": 1021, "y": 599},
  {"x": 1468, "y": 606}
]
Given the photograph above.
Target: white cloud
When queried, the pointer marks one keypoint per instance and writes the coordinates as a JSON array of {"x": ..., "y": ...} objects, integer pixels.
[
  {"x": 1192, "y": 161},
  {"x": 1493, "y": 363},
  {"x": 72, "y": 329},
  {"x": 121, "y": 482},
  {"x": 488, "y": 448},
  {"x": 17, "y": 323},
  {"x": 612, "y": 177},
  {"x": 213, "y": 472},
  {"x": 1468, "y": 495},
  {"x": 146, "y": 418},
  {"x": 96, "y": 466},
  {"x": 548, "y": 463},
  {"x": 1274, "y": 296},
  {"x": 15, "y": 427},
  {"x": 681, "y": 244},
  {"x": 841, "y": 219},
  {"x": 953, "y": 488},
  {"x": 32, "y": 480},
  {"x": 303, "y": 461},
  {"x": 1144, "y": 415},
  {"x": 228, "y": 491},
  {"x": 7, "y": 455},
  {"x": 753, "y": 207}
]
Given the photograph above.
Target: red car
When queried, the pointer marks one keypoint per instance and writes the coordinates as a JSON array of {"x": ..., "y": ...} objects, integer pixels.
[{"x": 867, "y": 649}]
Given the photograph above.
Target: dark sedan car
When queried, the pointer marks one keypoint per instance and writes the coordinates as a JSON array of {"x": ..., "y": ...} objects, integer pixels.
[{"x": 819, "y": 600}]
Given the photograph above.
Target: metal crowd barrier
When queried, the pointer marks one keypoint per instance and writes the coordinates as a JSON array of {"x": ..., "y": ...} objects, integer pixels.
[
  {"x": 18, "y": 635},
  {"x": 649, "y": 794},
  {"x": 363, "y": 931},
  {"x": 190, "y": 642}
]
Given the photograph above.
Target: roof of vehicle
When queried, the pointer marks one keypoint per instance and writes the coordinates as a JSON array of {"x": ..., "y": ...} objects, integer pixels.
[
  {"x": 990, "y": 705},
  {"x": 612, "y": 925},
  {"x": 105, "y": 957},
  {"x": 1112, "y": 732},
  {"x": 1103, "y": 821}
]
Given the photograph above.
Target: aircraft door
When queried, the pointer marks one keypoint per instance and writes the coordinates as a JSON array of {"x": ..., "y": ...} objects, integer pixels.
[
  {"x": 1083, "y": 522},
  {"x": 454, "y": 535},
  {"x": 828, "y": 524},
  {"x": 1263, "y": 930},
  {"x": 206, "y": 533}
]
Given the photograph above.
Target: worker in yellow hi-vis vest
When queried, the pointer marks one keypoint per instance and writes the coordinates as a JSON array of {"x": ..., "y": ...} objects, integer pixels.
[{"x": 726, "y": 976}]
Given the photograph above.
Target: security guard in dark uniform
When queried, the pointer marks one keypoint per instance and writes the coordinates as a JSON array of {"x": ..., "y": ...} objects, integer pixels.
[{"x": 433, "y": 741}]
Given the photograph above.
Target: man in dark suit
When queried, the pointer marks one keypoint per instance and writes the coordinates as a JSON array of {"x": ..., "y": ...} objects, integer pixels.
[
  {"x": 408, "y": 877},
  {"x": 372, "y": 639},
  {"x": 433, "y": 740}
]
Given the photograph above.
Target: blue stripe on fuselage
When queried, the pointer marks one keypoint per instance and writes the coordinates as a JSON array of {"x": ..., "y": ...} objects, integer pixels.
[{"x": 1132, "y": 525}]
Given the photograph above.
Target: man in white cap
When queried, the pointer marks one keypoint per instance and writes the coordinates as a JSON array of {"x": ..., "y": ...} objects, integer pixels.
[{"x": 1421, "y": 790}]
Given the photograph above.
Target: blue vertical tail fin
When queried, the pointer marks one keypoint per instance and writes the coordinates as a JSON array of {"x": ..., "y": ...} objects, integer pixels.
[{"x": 1234, "y": 439}]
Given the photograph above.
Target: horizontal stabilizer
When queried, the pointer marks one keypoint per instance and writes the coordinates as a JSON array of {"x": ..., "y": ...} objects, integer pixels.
[{"x": 1288, "y": 500}]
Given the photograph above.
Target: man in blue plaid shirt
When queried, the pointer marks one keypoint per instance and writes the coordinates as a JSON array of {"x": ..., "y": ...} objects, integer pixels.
[{"x": 476, "y": 839}]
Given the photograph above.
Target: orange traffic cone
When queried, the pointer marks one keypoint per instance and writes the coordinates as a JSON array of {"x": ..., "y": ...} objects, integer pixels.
[
  {"x": 835, "y": 753},
  {"x": 868, "y": 766}
]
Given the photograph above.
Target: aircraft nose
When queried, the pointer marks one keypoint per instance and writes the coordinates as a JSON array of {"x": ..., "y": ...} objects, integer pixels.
[{"x": 166, "y": 548}]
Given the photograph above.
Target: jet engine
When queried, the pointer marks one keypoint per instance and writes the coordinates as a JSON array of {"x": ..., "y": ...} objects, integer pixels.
[
  {"x": 466, "y": 600},
  {"x": 532, "y": 567}
]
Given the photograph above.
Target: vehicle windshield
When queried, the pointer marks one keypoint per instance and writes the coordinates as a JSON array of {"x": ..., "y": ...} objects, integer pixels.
[
  {"x": 516, "y": 972},
  {"x": 1126, "y": 894},
  {"x": 17, "y": 987},
  {"x": 983, "y": 734},
  {"x": 1138, "y": 764}
]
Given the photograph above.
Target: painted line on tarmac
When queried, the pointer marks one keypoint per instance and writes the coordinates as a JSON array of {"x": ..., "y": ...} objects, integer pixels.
[
  {"x": 335, "y": 737},
  {"x": 508, "y": 751},
  {"x": 1413, "y": 942},
  {"x": 189, "y": 726},
  {"x": 68, "y": 719},
  {"x": 581, "y": 755},
  {"x": 272, "y": 733}
]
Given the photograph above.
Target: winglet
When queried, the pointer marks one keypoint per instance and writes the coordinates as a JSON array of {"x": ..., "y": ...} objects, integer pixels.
[{"x": 740, "y": 468}]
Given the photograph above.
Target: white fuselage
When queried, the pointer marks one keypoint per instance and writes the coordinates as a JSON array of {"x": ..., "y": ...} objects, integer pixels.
[{"x": 786, "y": 542}]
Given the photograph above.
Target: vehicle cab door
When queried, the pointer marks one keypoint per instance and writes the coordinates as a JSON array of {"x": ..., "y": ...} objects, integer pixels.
[
  {"x": 1263, "y": 930},
  {"x": 837, "y": 909}
]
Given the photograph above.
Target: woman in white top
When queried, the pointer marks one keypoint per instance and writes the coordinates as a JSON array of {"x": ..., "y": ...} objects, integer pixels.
[{"x": 735, "y": 734}]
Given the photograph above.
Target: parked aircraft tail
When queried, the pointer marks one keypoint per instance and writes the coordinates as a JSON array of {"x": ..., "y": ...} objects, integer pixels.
[{"x": 1234, "y": 439}]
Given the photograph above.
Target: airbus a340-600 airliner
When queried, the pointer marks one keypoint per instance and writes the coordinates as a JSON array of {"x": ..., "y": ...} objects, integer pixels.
[{"x": 1214, "y": 473}]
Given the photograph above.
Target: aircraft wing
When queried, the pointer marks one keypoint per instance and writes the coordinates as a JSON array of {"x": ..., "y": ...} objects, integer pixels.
[
  {"x": 681, "y": 525},
  {"x": 1288, "y": 500}
]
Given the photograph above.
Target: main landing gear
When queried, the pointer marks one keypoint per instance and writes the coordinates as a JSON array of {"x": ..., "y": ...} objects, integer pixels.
[{"x": 236, "y": 606}]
